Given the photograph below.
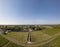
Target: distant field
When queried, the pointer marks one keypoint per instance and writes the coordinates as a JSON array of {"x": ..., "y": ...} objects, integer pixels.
[{"x": 51, "y": 31}]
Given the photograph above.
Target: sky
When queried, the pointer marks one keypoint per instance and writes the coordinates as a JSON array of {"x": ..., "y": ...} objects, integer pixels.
[{"x": 29, "y": 12}]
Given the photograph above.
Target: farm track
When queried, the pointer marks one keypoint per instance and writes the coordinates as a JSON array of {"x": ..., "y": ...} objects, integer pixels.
[{"x": 36, "y": 45}]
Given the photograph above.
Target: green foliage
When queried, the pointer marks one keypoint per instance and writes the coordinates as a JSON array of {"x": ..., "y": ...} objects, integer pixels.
[
  {"x": 35, "y": 28},
  {"x": 21, "y": 27}
]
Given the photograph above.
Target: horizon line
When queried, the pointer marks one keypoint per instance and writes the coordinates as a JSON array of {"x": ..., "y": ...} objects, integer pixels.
[{"x": 29, "y": 24}]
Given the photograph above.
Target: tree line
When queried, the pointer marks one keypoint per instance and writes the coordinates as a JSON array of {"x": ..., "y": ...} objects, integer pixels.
[{"x": 21, "y": 28}]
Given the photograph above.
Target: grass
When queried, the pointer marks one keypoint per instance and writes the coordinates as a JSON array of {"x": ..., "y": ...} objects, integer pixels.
[
  {"x": 54, "y": 43},
  {"x": 3, "y": 41},
  {"x": 36, "y": 36},
  {"x": 20, "y": 36},
  {"x": 13, "y": 45},
  {"x": 39, "y": 36},
  {"x": 51, "y": 31}
]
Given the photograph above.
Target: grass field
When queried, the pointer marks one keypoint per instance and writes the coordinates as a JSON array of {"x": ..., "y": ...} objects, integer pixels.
[
  {"x": 51, "y": 31},
  {"x": 13, "y": 45},
  {"x": 37, "y": 37},
  {"x": 3, "y": 41},
  {"x": 6, "y": 43},
  {"x": 20, "y": 36},
  {"x": 54, "y": 43}
]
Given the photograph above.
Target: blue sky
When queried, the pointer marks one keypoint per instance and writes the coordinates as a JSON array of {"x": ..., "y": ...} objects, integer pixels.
[{"x": 29, "y": 11}]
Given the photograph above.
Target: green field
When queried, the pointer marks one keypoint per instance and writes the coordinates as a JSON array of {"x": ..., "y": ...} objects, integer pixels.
[
  {"x": 13, "y": 45},
  {"x": 3, "y": 41},
  {"x": 48, "y": 37},
  {"x": 39, "y": 36},
  {"x": 51, "y": 31},
  {"x": 6, "y": 43},
  {"x": 20, "y": 36},
  {"x": 54, "y": 43}
]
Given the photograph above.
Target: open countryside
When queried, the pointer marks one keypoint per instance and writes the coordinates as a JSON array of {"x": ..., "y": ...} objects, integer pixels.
[
  {"x": 29, "y": 23},
  {"x": 18, "y": 36}
]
